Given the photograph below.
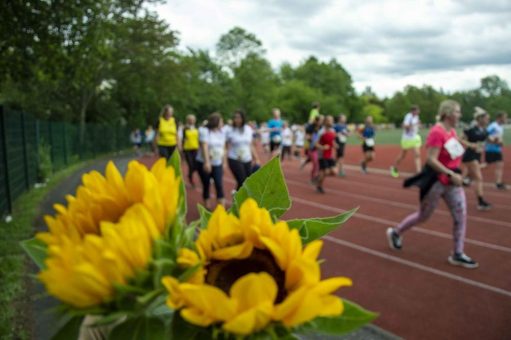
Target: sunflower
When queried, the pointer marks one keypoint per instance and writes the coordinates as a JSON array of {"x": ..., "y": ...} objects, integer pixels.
[
  {"x": 107, "y": 198},
  {"x": 105, "y": 235},
  {"x": 253, "y": 272}
]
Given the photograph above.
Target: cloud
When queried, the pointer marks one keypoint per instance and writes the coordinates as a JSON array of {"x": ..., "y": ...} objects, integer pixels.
[{"x": 372, "y": 39}]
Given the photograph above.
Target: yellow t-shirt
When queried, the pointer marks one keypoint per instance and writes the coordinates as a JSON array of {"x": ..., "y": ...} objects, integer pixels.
[
  {"x": 167, "y": 131},
  {"x": 190, "y": 139}
]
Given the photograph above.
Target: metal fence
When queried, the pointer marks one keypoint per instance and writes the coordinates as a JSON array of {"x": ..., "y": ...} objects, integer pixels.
[{"x": 21, "y": 136}]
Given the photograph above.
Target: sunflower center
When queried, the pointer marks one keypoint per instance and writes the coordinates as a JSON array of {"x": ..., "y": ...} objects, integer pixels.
[{"x": 223, "y": 274}]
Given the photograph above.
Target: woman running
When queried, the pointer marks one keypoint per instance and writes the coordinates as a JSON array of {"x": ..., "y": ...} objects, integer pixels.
[
  {"x": 326, "y": 147},
  {"x": 190, "y": 146},
  {"x": 166, "y": 137},
  {"x": 342, "y": 137},
  {"x": 241, "y": 150},
  {"x": 473, "y": 139},
  {"x": 440, "y": 178},
  {"x": 210, "y": 158},
  {"x": 366, "y": 134}
]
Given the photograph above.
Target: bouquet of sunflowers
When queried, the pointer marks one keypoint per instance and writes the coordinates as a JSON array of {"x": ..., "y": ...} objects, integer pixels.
[{"x": 125, "y": 264}]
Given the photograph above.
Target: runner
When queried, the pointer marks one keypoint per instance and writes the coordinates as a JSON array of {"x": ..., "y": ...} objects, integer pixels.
[
  {"x": 136, "y": 140},
  {"x": 210, "y": 158},
  {"x": 148, "y": 138},
  {"x": 190, "y": 146},
  {"x": 265, "y": 137},
  {"x": 241, "y": 150},
  {"x": 287, "y": 142},
  {"x": 366, "y": 134},
  {"x": 342, "y": 136},
  {"x": 314, "y": 112},
  {"x": 275, "y": 126},
  {"x": 299, "y": 141},
  {"x": 410, "y": 140},
  {"x": 473, "y": 139},
  {"x": 325, "y": 145},
  {"x": 440, "y": 179},
  {"x": 311, "y": 137},
  {"x": 493, "y": 149},
  {"x": 166, "y": 137}
]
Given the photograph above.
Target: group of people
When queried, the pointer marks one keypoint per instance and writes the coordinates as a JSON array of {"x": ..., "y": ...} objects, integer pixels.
[{"x": 321, "y": 142}]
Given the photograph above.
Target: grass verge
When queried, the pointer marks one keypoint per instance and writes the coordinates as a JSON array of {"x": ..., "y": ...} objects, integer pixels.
[{"x": 14, "y": 299}]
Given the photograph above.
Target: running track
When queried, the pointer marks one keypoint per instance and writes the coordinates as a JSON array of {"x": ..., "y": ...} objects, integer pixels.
[{"x": 417, "y": 293}]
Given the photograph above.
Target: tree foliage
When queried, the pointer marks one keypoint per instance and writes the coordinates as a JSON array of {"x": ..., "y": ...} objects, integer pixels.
[{"x": 114, "y": 61}]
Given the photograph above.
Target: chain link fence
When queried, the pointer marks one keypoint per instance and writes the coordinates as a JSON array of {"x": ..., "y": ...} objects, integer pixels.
[{"x": 31, "y": 148}]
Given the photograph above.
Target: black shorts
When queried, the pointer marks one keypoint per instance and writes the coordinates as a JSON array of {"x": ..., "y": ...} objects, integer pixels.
[
  {"x": 366, "y": 148},
  {"x": 470, "y": 155},
  {"x": 274, "y": 145},
  {"x": 340, "y": 150},
  {"x": 493, "y": 157},
  {"x": 326, "y": 163}
]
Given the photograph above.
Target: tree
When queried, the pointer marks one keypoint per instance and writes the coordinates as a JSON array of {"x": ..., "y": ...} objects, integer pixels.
[{"x": 236, "y": 45}]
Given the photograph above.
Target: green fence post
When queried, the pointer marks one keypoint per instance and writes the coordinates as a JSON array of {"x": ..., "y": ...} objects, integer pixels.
[
  {"x": 4, "y": 160},
  {"x": 25, "y": 155}
]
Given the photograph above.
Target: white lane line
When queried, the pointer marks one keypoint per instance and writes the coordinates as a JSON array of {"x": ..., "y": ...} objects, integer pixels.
[
  {"x": 419, "y": 266},
  {"x": 402, "y": 205},
  {"x": 393, "y": 223}
]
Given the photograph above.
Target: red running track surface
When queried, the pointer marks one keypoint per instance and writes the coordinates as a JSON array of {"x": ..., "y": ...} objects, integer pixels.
[{"x": 417, "y": 293}]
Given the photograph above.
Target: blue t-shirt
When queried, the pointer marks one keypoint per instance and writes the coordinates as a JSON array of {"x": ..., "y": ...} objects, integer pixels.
[
  {"x": 494, "y": 130},
  {"x": 341, "y": 131},
  {"x": 275, "y": 123},
  {"x": 368, "y": 132}
]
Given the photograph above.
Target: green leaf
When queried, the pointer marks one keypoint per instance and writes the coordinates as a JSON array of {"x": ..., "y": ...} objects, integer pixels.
[
  {"x": 163, "y": 249},
  {"x": 314, "y": 228},
  {"x": 204, "y": 216},
  {"x": 351, "y": 319},
  {"x": 175, "y": 162},
  {"x": 68, "y": 327},
  {"x": 180, "y": 329},
  {"x": 37, "y": 250},
  {"x": 267, "y": 187},
  {"x": 163, "y": 266},
  {"x": 139, "y": 328}
]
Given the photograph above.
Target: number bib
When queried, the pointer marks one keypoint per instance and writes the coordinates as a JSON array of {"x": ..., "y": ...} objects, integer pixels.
[
  {"x": 216, "y": 154},
  {"x": 243, "y": 152},
  {"x": 342, "y": 138},
  {"x": 454, "y": 148},
  {"x": 369, "y": 142}
]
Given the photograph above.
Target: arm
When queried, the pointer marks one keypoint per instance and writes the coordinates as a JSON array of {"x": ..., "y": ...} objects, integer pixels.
[
  {"x": 255, "y": 156},
  {"x": 432, "y": 160},
  {"x": 205, "y": 153}
]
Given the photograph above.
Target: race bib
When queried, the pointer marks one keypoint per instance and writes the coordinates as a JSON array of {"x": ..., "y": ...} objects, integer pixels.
[
  {"x": 454, "y": 148},
  {"x": 216, "y": 154},
  {"x": 276, "y": 139},
  {"x": 243, "y": 152},
  {"x": 342, "y": 138},
  {"x": 369, "y": 142}
]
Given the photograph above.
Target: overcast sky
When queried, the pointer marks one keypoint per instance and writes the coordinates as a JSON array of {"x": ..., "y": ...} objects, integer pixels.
[{"x": 384, "y": 44}]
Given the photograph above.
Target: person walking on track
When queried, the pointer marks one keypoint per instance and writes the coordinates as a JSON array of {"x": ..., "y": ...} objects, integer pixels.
[
  {"x": 275, "y": 126},
  {"x": 241, "y": 152},
  {"x": 440, "y": 178},
  {"x": 410, "y": 140},
  {"x": 210, "y": 158},
  {"x": 473, "y": 139},
  {"x": 342, "y": 132},
  {"x": 493, "y": 151},
  {"x": 190, "y": 146},
  {"x": 325, "y": 145},
  {"x": 367, "y": 134},
  {"x": 311, "y": 136},
  {"x": 166, "y": 137}
]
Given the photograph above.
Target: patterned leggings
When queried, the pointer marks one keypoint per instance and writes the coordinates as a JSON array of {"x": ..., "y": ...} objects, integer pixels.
[{"x": 455, "y": 199}]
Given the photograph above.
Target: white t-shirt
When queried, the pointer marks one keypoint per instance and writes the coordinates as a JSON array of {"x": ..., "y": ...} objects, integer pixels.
[
  {"x": 287, "y": 137},
  {"x": 216, "y": 145},
  {"x": 414, "y": 122},
  {"x": 299, "y": 138},
  {"x": 240, "y": 143}
]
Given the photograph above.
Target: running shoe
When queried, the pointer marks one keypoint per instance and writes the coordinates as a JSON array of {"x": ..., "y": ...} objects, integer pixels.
[
  {"x": 483, "y": 205},
  {"x": 341, "y": 173},
  {"x": 320, "y": 190},
  {"x": 462, "y": 260},
  {"x": 501, "y": 186},
  {"x": 394, "y": 172},
  {"x": 395, "y": 241},
  {"x": 314, "y": 180}
]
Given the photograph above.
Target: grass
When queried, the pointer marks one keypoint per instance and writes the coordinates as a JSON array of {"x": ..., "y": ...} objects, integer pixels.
[{"x": 14, "y": 299}]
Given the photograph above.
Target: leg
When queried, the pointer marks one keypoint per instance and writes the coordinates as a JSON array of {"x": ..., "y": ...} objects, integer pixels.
[
  {"x": 237, "y": 171},
  {"x": 456, "y": 201},
  {"x": 163, "y": 152},
  {"x": 205, "y": 178},
  {"x": 400, "y": 157},
  {"x": 315, "y": 164},
  {"x": 499, "y": 171},
  {"x": 474, "y": 172},
  {"x": 427, "y": 206},
  {"x": 217, "y": 173},
  {"x": 417, "y": 159}
]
